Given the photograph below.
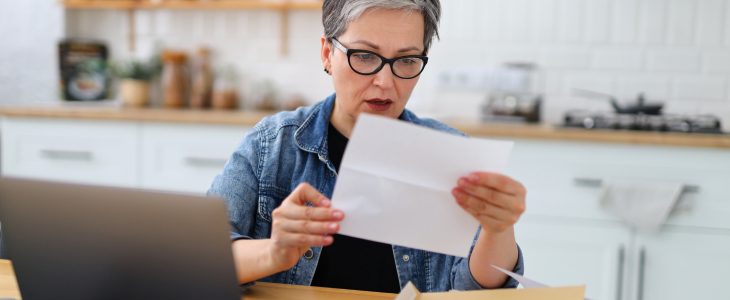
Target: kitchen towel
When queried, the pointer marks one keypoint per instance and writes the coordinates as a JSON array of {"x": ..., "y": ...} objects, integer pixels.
[{"x": 642, "y": 204}]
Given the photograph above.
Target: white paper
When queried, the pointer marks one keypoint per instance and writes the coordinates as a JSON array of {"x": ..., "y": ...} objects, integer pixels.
[
  {"x": 524, "y": 281},
  {"x": 395, "y": 184}
]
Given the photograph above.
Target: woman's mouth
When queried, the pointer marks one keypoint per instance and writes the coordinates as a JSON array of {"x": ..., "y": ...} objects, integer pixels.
[{"x": 379, "y": 104}]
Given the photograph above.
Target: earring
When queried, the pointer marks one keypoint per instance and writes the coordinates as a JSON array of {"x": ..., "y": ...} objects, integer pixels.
[{"x": 328, "y": 72}]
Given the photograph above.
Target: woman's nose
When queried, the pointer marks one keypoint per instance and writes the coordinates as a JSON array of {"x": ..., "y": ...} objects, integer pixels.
[{"x": 385, "y": 78}]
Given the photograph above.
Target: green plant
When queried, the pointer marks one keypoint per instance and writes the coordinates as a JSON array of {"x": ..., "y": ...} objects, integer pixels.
[{"x": 135, "y": 69}]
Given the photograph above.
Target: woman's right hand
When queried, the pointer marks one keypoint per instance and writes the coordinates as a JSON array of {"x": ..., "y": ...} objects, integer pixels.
[{"x": 297, "y": 227}]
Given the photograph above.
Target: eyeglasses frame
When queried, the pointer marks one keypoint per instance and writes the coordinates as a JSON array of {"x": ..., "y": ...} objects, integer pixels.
[{"x": 390, "y": 61}]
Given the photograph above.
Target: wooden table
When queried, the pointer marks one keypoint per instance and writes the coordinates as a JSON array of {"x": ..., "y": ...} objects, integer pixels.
[
  {"x": 8, "y": 284},
  {"x": 259, "y": 291}
]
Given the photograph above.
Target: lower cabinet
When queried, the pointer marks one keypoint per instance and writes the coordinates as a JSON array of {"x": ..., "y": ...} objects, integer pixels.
[
  {"x": 679, "y": 264},
  {"x": 151, "y": 155},
  {"x": 185, "y": 157},
  {"x": 617, "y": 263},
  {"x": 567, "y": 239},
  {"x": 558, "y": 252},
  {"x": 80, "y": 151}
]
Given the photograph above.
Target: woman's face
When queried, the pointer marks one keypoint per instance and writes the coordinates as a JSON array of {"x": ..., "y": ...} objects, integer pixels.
[{"x": 390, "y": 33}]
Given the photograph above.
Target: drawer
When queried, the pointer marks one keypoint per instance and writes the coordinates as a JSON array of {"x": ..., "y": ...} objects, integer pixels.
[
  {"x": 548, "y": 169},
  {"x": 184, "y": 157},
  {"x": 80, "y": 151}
]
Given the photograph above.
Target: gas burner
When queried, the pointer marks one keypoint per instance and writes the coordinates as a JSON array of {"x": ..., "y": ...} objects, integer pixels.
[{"x": 672, "y": 123}]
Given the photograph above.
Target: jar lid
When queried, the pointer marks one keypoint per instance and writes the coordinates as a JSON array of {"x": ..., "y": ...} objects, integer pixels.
[{"x": 174, "y": 56}]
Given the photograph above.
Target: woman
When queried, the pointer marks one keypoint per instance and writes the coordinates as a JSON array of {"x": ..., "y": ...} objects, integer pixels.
[{"x": 278, "y": 182}]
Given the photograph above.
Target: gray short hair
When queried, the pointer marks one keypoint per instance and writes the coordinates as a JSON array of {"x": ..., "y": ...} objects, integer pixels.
[{"x": 337, "y": 14}]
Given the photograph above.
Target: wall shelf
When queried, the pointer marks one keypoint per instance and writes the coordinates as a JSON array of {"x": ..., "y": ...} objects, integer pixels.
[
  {"x": 190, "y": 4},
  {"x": 131, "y": 5}
]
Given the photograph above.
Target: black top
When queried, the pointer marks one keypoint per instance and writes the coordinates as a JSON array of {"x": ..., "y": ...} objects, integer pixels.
[{"x": 352, "y": 263}]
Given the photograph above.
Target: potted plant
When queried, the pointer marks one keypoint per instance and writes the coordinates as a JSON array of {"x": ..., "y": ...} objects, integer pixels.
[{"x": 135, "y": 80}]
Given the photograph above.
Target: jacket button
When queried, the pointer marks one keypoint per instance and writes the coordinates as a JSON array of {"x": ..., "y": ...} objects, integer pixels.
[
  {"x": 322, "y": 157},
  {"x": 406, "y": 257},
  {"x": 309, "y": 254}
]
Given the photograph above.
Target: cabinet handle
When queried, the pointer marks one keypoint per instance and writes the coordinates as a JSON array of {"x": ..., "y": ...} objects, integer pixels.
[
  {"x": 642, "y": 266},
  {"x": 205, "y": 161},
  {"x": 66, "y": 154},
  {"x": 620, "y": 276},
  {"x": 594, "y": 182}
]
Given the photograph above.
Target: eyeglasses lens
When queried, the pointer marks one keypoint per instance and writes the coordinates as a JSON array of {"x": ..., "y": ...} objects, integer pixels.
[{"x": 369, "y": 63}]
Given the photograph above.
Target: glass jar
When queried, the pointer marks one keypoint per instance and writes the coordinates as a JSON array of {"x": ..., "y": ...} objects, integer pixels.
[
  {"x": 174, "y": 79},
  {"x": 224, "y": 91},
  {"x": 200, "y": 97}
]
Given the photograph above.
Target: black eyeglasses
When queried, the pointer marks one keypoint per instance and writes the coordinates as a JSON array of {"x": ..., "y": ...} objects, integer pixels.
[{"x": 365, "y": 62}]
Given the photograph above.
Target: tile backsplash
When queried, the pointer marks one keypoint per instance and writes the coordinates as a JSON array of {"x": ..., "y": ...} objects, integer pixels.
[{"x": 676, "y": 51}]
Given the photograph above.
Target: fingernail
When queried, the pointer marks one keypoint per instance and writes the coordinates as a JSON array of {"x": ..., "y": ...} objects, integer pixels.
[
  {"x": 327, "y": 239},
  {"x": 337, "y": 214},
  {"x": 463, "y": 183},
  {"x": 457, "y": 193},
  {"x": 474, "y": 178},
  {"x": 332, "y": 226},
  {"x": 324, "y": 202}
]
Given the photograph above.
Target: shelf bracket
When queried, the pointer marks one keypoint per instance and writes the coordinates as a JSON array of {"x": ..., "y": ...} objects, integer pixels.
[
  {"x": 130, "y": 17},
  {"x": 284, "y": 35}
]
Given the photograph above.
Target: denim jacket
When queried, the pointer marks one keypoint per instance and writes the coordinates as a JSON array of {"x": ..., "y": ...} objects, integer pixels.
[{"x": 289, "y": 148}]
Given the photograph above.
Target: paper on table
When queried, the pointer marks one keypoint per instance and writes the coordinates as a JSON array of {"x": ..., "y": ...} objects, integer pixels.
[
  {"x": 524, "y": 281},
  {"x": 395, "y": 184}
]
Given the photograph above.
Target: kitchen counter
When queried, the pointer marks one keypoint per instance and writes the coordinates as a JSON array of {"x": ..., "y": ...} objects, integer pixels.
[{"x": 250, "y": 118}]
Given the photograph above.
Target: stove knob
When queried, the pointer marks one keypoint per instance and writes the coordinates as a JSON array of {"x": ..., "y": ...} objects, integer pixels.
[{"x": 589, "y": 123}]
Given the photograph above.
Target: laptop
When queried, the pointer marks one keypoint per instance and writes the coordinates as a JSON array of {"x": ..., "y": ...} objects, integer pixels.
[{"x": 72, "y": 241}]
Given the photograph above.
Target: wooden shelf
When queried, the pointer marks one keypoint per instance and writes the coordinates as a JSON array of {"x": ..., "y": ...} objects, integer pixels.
[
  {"x": 190, "y": 4},
  {"x": 131, "y": 5}
]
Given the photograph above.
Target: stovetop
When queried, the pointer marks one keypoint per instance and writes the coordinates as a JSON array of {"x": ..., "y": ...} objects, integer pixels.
[{"x": 667, "y": 122}]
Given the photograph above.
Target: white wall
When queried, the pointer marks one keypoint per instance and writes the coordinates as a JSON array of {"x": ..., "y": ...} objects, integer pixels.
[
  {"x": 673, "y": 50},
  {"x": 247, "y": 39},
  {"x": 29, "y": 32}
]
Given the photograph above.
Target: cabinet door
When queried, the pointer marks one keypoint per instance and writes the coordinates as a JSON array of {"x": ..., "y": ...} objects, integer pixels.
[
  {"x": 548, "y": 170},
  {"x": 79, "y": 151},
  {"x": 186, "y": 157},
  {"x": 568, "y": 252},
  {"x": 682, "y": 265}
]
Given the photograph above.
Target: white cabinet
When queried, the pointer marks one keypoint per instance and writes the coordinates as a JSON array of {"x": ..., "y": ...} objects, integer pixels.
[
  {"x": 567, "y": 239},
  {"x": 548, "y": 170},
  {"x": 92, "y": 152},
  {"x": 185, "y": 157},
  {"x": 559, "y": 252},
  {"x": 152, "y": 155},
  {"x": 682, "y": 264}
]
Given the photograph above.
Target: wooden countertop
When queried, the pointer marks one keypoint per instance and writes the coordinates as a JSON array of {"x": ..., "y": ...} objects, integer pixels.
[{"x": 250, "y": 118}]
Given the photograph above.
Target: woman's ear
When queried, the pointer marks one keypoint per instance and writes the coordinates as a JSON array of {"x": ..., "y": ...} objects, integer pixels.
[{"x": 326, "y": 53}]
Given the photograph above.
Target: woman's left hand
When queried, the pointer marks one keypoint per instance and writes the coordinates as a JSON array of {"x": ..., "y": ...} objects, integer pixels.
[{"x": 497, "y": 201}]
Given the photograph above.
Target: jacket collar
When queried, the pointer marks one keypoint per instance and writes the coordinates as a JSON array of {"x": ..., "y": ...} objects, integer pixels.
[{"x": 312, "y": 134}]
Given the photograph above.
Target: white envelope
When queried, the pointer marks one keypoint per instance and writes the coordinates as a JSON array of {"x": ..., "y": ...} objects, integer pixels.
[{"x": 395, "y": 183}]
